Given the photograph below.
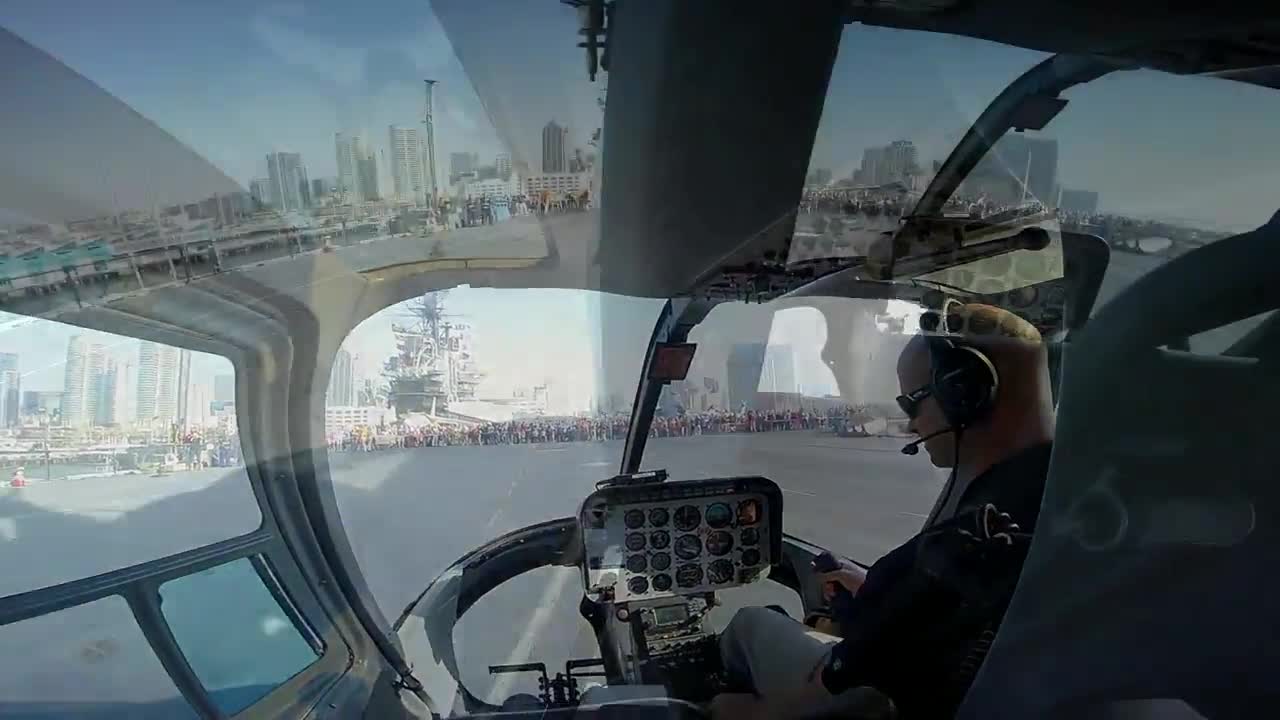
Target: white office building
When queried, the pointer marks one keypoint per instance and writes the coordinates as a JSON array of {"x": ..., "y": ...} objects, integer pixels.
[
  {"x": 555, "y": 183},
  {"x": 406, "y": 165}
]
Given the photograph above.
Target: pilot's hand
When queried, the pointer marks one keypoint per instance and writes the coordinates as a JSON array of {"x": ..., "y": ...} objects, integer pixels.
[
  {"x": 848, "y": 576},
  {"x": 737, "y": 706}
]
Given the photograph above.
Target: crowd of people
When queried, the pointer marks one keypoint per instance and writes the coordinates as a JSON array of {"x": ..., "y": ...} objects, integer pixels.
[
  {"x": 489, "y": 209},
  {"x": 592, "y": 429}
]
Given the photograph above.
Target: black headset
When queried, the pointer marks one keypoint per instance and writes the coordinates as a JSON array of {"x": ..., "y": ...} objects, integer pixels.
[{"x": 964, "y": 381}]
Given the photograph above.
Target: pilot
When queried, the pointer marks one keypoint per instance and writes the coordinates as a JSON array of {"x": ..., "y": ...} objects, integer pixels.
[{"x": 978, "y": 396}]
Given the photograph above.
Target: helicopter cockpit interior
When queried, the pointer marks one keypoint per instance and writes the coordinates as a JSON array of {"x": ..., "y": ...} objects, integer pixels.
[{"x": 693, "y": 193}]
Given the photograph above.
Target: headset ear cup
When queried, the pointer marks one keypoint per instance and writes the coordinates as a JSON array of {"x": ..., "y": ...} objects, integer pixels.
[{"x": 965, "y": 383}]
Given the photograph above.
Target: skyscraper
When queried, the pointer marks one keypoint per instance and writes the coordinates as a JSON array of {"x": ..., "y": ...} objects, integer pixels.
[
  {"x": 342, "y": 384},
  {"x": 260, "y": 191},
  {"x": 778, "y": 373},
  {"x": 183, "y": 388},
  {"x": 555, "y": 154},
  {"x": 406, "y": 165},
  {"x": 461, "y": 163},
  {"x": 80, "y": 386},
  {"x": 353, "y": 157},
  {"x": 289, "y": 187},
  {"x": 743, "y": 370},
  {"x": 10, "y": 390},
  {"x": 158, "y": 377},
  {"x": 104, "y": 392},
  {"x": 369, "y": 177},
  {"x": 502, "y": 165}
]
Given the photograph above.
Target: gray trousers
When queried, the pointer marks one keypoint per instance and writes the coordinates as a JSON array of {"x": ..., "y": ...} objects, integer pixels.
[
  {"x": 775, "y": 652},
  {"x": 771, "y": 650}
]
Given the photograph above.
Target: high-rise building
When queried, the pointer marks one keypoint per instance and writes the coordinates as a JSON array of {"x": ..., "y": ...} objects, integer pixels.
[
  {"x": 369, "y": 177},
  {"x": 104, "y": 393},
  {"x": 287, "y": 176},
  {"x": 743, "y": 371},
  {"x": 342, "y": 383},
  {"x": 895, "y": 162},
  {"x": 406, "y": 164},
  {"x": 502, "y": 165},
  {"x": 183, "y": 388},
  {"x": 43, "y": 405},
  {"x": 224, "y": 388},
  {"x": 124, "y": 393},
  {"x": 260, "y": 191},
  {"x": 555, "y": 152},
  {"x": 778, "y": 372},
  {"x": 463, "y": 162},
  {"x": 10, "y": 390},
  {"x": 85, "y": 363},
  {"x": 158, "y": 377},
  {"x": 199, "y": 405},
  {"x": 357, "y": 168}
]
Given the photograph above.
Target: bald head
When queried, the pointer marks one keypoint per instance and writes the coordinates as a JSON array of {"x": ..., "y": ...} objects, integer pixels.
[{"x": 1022, "y": 412}]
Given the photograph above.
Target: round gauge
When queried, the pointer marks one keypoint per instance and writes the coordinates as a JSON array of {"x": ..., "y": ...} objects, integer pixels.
[
  {"x": 748, "y": 512},
  {"x": 633, "y": 519},
  {"x": 750, "y": 536},
  {"x": 750, "y": 556},
  {"x": 662, "y": 582},
  {"x": 637, "y": 563},
  {"x": 720, "y": 572},
  {"x": 659, "y": 517},
  {"x": 688, "y": 547},
  {"x": 660, "y": 561},
  {"x": 687, "y": 517},
  {"x": 689, "y": 575},
  {"x": 659, "y": 539},
  {"x": 719, "y": 515},
  {"x": 635, "y": 541},
  {"x": 719, "y": 542},
  {"x": 638, "y": 585}
]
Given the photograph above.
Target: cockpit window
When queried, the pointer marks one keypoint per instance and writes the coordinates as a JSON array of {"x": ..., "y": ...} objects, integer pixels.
[
  {"x": 104, "y": 440},
  {"x": 804, "y": 395},
  {"x": 491, "y": 409}
]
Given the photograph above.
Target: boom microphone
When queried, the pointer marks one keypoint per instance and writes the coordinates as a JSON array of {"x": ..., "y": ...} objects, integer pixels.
[{"x": 913, "y": 447}]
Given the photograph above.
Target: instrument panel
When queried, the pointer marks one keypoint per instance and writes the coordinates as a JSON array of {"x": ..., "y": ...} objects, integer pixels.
[{"x": 680, "y": 538}]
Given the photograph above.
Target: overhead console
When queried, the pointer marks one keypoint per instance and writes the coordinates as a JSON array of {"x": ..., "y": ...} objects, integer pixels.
[{"x": 655, "y": 540}]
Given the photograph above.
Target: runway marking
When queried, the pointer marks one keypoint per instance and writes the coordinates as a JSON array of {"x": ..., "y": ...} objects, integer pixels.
[
  {"x": 598, "y": 463},
  {"x": 919, "y": 515},
  {"x": 556, "y": 449},
  {"x": 799, "y": 492},
  {"x": 541, "y": 616}
]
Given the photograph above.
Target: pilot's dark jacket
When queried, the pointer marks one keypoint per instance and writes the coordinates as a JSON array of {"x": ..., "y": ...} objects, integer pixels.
[{"x": 904, "y": 656}]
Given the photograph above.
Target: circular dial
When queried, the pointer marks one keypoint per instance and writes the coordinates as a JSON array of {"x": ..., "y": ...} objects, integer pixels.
[
  {"x": 750, "y": 556},
  {"x": 660, "y": 561},
  {"x": 687, "y": 517},
  {"x": 719, "y": 542},
  {"x": 750, "y": 536},
  {"x": 633, "y": 519},
  {"x": 719, "y": 515},
  {"x": 659, "y": 539},
  {"x": 662, "y": 582},
  {"x": 689, "y": 575},
  {"x": 748, "y": 512},
  {"x": 720, "y": 572},
  {"x": 688, "y": 547},
  {"x": 635, "y": 541},
  {"x": 638, "y": 585},
  {"x": 637, "y": 563},
  {"x": 659, "y": 517}
]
